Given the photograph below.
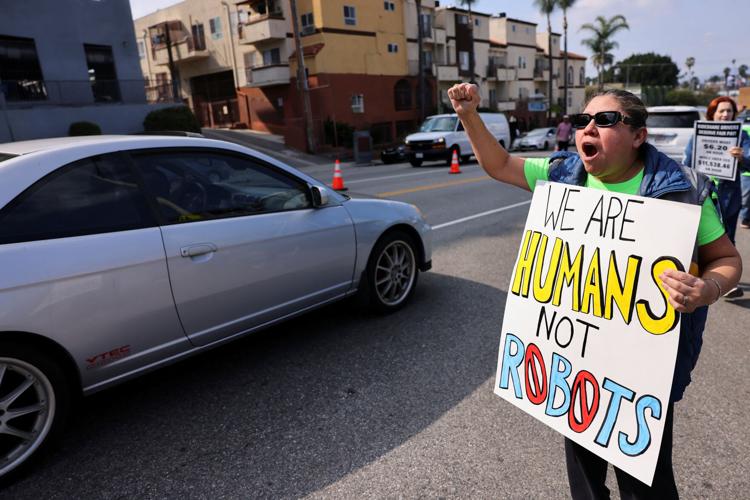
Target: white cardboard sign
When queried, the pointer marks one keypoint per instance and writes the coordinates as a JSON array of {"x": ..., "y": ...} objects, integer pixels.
[
  {"x": 711, "y": 146},
  {"x": 588, "y": 341}
]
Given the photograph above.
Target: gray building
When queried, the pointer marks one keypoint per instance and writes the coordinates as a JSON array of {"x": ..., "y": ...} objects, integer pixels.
[{"x": 65, "y": 61}]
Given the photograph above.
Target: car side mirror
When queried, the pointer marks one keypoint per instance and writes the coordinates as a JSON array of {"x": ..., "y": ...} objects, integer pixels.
[{"x": 319, "y": 196}]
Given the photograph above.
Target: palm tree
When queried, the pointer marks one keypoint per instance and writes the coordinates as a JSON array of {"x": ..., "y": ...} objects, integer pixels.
[
  {"x": 601, "y": 42},
  {"x": 467, "y": 4},
  {"x": 547, "y": 7},
  {"x": 690, "y": 62},
  {"x": 565, "y": 5}
]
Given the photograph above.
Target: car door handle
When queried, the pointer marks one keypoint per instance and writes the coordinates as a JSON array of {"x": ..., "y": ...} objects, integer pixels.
[{"x": 198, "y": 249}]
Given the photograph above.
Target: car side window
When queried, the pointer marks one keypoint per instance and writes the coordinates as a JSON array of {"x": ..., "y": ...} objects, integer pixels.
[
  {"x": 191, "y": 185},
  {"x": 94, "y": 195}
]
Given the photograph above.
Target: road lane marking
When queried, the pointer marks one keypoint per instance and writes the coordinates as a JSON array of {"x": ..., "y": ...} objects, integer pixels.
[
  {"x": 476, "y": 216},
  {"x": 370, "y": 179},
  {"x": 432, "y": 186}
]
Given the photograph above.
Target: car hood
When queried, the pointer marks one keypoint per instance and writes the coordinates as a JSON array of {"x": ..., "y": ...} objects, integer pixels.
[{"x": 426, "y": 136}]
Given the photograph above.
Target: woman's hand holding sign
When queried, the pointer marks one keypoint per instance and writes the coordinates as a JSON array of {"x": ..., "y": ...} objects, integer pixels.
[
  {"x": 686, "y": 292},
  {"x": 736, "y": 152}
]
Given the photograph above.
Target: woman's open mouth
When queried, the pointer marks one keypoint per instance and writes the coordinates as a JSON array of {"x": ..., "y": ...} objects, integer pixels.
[{"x": 589, "y": 150}]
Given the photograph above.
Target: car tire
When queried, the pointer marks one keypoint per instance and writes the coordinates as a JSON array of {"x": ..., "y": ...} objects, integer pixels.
[
  {"x": 391, "y": 274},
  {"x": 45, "y": 390},
  {"x": 416, "y": 163}
]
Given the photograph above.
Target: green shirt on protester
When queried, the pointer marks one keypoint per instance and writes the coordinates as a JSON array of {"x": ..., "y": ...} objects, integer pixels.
[{"x": 710, "y": 227}]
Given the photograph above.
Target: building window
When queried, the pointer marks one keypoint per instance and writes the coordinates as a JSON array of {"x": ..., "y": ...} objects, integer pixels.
[
  {"x": 427, "y": 59},
  {"x": 271, "y": 56},
  {"x": 358, "y": 103},
  {"x": 528, "y": 31},
  {"x": 463, "y": 60},
  {"x": 308, "y": 24},
  {"x": 389, "y": 6},
  {"x": 199, "y": 37},
  {"x": 476, "y": 21},
  {"x": 462, "y": 19},
  {"x": 402, "y": 95},
  {"x": 493, "y": 96},
  {"x": 141, "y": 49},
  {"x": 215, "y": 26},
  {"x": 570, "y": 75},
  {"x": 392, "y": 48},
  {"x": 20, "y": 73},
  {"x": 513, "y": 28},
  {"x": 521, "y": 62},
  {"x": 350, "y": 15},
  {"x": 425, "y": 22},
  {"x": 582, "y": 76},
  {"x": 523, "y": 93},
  {"x": 102, "y": 73}
]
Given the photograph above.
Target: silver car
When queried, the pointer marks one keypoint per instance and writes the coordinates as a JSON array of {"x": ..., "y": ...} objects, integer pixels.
[{"x": 120, "y": 255}]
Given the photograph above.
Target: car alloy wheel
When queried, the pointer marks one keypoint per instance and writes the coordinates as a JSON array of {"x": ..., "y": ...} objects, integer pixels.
[
  {"x": 391, "y": 272},
  {"x": 34, "y": 402}
]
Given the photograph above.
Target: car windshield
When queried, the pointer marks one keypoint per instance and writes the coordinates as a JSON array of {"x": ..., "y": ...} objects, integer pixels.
[
  {"x": 682, "y": 119},
  {"x": 537, "y": 132},
  {"x": 439, "y": 124},
  {"x": 6, "y": 156}
]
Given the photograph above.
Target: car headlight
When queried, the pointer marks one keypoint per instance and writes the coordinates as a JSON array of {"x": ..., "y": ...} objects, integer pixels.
[
  {"x": 440, "y": 140},
  {"x": 406, "y": 142}
]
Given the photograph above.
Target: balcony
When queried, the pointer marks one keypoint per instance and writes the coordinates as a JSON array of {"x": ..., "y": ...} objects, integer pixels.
[
  {"x": 541, "y": 75},
  {"x": 266, "y": 28},
  {"x": 439, "y": 36},
  {"x": 501, "y": 73},
  {"x": 265, "y": 76},
  {"x": 182, "y": 51},
  {"x": 509, "y": 105},
  {"x": 447, "y": 73}
]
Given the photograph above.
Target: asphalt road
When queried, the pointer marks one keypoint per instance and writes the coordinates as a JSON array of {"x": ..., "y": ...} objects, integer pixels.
[{"x": 337, "y": 404}]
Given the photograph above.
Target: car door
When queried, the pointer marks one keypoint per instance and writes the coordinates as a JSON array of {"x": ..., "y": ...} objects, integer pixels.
[
  {"x": 246, "y": 247},
  {"x": 83, "y": 264}
]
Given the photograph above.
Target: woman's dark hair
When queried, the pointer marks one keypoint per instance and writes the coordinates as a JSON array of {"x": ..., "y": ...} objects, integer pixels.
[
  {"x": 714, "y": 105},
  {"x": 631, "y": 105}
]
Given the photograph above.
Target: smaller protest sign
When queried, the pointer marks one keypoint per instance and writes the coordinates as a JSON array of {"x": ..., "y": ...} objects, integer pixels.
[{"x": 713, "y": 140}]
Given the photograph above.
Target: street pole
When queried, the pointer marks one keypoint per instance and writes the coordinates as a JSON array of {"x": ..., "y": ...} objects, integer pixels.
[
  {"x": 172, "y": 69},
  {"x": 4, "y": 107},
  {"x": 302, "y": 79},
  {"x": 420, "y": 62},
  {"x": 231, "y": 44}
]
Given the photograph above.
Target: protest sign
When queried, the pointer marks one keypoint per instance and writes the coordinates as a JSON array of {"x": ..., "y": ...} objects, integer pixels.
[
  {"x": 711, "y": 146},
  {"x": 589, "y": 341}
]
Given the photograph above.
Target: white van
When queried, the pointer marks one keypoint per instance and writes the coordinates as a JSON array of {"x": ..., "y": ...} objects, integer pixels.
[
  {"x": 440, "y": 135},
  {"x": 671, "y": 127}
]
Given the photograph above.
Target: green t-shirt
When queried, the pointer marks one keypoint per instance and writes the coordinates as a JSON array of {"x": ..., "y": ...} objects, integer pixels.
[{"x": 710, "y": 227}]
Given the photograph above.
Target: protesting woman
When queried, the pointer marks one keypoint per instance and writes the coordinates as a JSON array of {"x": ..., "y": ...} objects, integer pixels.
[
  {"x": 729, "y": 191},
  {"x": 612, "y": 154}
]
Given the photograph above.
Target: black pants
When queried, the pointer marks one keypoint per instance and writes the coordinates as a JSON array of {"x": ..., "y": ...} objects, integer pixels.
[{"x": 587, "y": 473}]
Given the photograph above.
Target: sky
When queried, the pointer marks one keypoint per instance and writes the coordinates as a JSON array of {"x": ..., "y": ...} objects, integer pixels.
[{"x": 677, "y": 28}]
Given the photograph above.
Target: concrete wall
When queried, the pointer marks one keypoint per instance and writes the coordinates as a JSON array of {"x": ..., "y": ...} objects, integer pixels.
[{"x": 53, "y": 121}]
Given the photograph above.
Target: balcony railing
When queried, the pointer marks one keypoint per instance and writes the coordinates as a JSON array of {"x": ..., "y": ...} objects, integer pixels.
[
  {"x": 263, "y": 28},
  {"x": 267, "y": 75},
  {"x": 23, "y": 93},
  {"x": 183, "y": 50}
]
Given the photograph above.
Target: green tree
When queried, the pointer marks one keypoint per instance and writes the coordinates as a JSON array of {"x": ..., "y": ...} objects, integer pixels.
[
  {"x": 647, "y": 69},
  {"x": 601, "y": 43},
  {"x": 546, "y": 7},
  {"x": 565, "y": 5},
  {"x": 742, "y": 70}
]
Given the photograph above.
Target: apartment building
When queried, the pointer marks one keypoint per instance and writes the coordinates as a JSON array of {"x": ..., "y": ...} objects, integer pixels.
[
  {"x": 62, "y": 62},
  {"x": 234, "y": 62}
]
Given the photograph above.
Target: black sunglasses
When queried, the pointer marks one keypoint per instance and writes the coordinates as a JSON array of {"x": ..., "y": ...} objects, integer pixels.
[{"x": 601, "y": 119}]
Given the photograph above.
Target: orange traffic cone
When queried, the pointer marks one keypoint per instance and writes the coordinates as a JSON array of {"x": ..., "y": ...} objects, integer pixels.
[
  {"x": 338, "y": 180},
  {"x": 455, "y": 169}
]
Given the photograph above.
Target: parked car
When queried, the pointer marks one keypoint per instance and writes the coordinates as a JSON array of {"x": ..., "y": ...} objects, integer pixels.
[
  {"x": 442, "y": 135},
  {"x": 539, "y": 138},
  {"x": 393, "y": 154},
  {"x": 670, "y": 128},
  {"x": 120, "y": 255}
]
